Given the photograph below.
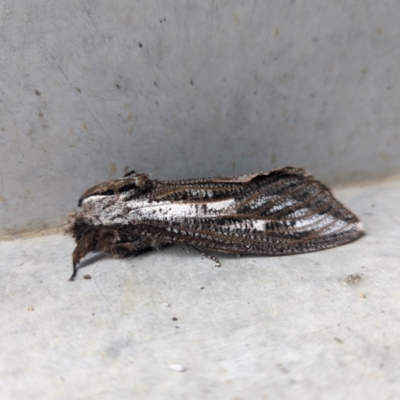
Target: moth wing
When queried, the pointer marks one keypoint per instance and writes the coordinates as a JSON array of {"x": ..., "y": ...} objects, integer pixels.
[
  {"x": 285, "y": 211},
  {"x": 250, "y": 177}
]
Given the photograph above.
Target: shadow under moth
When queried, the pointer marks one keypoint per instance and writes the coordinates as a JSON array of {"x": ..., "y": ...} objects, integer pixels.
[{"x": 281, "y": 212}]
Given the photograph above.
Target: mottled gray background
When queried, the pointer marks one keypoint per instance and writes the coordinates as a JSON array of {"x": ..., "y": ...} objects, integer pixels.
[{"x": 182, "y": 89}]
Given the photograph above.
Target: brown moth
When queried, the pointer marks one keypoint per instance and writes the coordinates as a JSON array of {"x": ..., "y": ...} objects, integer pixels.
[{"x": 280, "y": 212}]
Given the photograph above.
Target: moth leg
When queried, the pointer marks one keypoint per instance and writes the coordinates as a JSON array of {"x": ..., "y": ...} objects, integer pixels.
[
  {"x": 92, "y": 239},
  {"x": 74, "y": 271},
  {"x": 209, "y": 256},
  {"x": 111, "y": 242},
  {"x": 86, "y": 242}
]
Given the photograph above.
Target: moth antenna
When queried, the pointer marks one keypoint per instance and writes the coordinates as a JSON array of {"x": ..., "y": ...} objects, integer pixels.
[{"x": 209, "y": 256}]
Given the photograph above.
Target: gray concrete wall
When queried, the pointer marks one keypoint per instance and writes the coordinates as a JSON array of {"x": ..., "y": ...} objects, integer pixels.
[{"x": 181, "y": 89}]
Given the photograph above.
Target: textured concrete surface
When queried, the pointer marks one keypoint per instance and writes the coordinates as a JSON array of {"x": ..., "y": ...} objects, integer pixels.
[
  {"x": 190, "y": 89},
  {"x": 169, "y": 325}
]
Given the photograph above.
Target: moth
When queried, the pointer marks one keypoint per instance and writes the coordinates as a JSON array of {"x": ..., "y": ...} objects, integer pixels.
[{"x": 281, "y": 212}]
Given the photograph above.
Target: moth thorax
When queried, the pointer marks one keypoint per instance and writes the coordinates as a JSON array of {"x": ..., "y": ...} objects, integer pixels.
[{"x": 129, "y": 186}]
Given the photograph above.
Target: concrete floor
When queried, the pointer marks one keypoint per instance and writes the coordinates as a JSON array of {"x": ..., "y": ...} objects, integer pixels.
[{"x": 169, "y": 325}]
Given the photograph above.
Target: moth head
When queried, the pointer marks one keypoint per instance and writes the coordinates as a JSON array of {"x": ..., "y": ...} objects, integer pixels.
[{"x": 130, "y": 185}]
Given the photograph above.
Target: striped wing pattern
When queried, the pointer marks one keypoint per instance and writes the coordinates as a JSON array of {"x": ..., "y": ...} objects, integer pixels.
[{"x": 285, "y": 211}]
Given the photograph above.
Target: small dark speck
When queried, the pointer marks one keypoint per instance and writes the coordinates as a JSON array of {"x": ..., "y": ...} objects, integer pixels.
[
  {"x": 140, "y": 45},
  {"x": 165, "y": 19},
  {"x": 191, "y": 82},
  {"x": 177, "y": 327},
  {"x": 155, "y": 83},
  {"x": 93, "y": 314},
  {"x": 352, "y": 279},
  {"x": 87, "y": 277},
  {"x": 174, "y": 319},
  {"x": 282, "y": 368},
  {"x": 117, "y": 86},
  {"x": 37, "y": 93},
  {"x": 41, "y": 115},
  {"x": 78, "y": 89},
  {"x": 312, "y": 95},
  {"x": 202, "y": 288},
  {"x": 338, "y": 340}
]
